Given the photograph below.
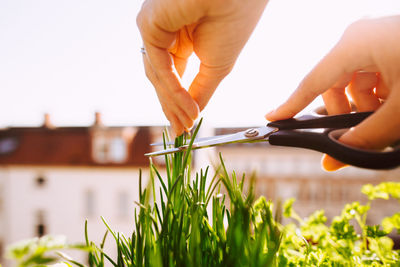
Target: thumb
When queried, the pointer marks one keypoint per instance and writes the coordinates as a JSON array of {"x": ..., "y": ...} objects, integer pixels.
[
  {"x": 205, "y": 83},
  {"x": 378, "y": 131}
]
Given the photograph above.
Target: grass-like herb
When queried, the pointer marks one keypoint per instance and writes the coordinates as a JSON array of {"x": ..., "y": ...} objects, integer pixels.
[{"x": 176, "y": 230}]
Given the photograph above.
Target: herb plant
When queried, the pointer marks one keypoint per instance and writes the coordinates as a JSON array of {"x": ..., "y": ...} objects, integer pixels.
[{"x": 178, "y": 231}]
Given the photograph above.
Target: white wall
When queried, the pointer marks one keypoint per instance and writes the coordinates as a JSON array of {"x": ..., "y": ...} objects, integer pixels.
[{"x": 63, "y": 200}]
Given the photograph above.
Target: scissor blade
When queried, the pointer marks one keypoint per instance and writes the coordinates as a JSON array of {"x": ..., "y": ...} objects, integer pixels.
[
  {"x": 164, "y": 152},
  {"x": 201, "y": 139},
  {"x": 248, "y": 136}
]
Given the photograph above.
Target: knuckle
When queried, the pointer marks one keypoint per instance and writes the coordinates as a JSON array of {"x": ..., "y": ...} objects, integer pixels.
[
  {"x": 148, "y": 73},
  {"x": 357, "y": 26},
  {"x": 291, "y": 112},
  {"x": 140, "y": 20},
  {"x": 218, "y": 72},
  {"x": 194, "y": 112},
  {"x": 356, "y": 29},
  {"x": 167, "y": 112},
  {"x": 308, "y": 90}
]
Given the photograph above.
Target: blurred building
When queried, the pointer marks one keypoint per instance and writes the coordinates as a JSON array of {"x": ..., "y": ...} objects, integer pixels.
[{"x": 53, "y": 178}]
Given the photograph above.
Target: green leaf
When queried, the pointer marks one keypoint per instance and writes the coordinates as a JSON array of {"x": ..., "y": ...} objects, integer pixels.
[
  {"x": 389, "y": 223},
  {"x": 288, "y": 207},
  {"x": 374, "y": 192},
  {"x": 374, "y": 231}
]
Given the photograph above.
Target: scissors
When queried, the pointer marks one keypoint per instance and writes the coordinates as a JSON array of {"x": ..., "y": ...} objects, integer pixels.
[{"x": 317, "y": 131}]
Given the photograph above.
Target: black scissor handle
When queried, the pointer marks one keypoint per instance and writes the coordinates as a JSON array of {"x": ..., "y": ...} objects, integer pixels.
[
  {"x": 326, "y": 142},
  {"x": 341, "y": 121}
]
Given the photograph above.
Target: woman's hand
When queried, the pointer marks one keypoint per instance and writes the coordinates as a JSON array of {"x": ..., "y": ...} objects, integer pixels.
[
  {"x": 366, "y": 64},
  {"x": 216, "y": 30}
]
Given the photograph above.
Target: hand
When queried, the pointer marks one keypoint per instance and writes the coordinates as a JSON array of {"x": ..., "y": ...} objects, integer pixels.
[
  {"x": 366, "y": 63},
  {"x": 171, "y": 30}
]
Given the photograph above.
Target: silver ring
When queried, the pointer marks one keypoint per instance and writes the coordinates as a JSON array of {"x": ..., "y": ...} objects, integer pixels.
[{"x": 143, "y": 50}]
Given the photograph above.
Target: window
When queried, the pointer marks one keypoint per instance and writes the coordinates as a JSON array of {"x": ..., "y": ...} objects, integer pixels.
[
  {"x": 40, "y": 227},
  {"x": 8, "y": 145},
  {"x": 40, "y": 181},
  {"x": 117, "y": 150},
  {"x": 100, "y": 149},
  {"x": 109, "y": 149}
]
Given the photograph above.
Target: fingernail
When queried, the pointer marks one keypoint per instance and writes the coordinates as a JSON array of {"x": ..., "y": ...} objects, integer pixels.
[
  {"x": 269, "y": 114},
  {"x": 177, "y": 131}
]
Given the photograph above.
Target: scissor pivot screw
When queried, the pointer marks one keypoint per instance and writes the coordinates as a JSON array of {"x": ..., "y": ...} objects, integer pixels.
[{"x": 251, "y": 133}]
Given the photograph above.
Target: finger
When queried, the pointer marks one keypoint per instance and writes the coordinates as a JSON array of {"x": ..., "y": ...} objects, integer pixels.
[
  {"x": 163, "y": 69},
  {"x": 381, "y": 90},
  {"x": 330, "y": 164},
  {"x": 182, "y": 48},
  {"x": 376, "y": 132},
  {"x": 362, "y": 92},
  {"x": 150, "y": 74},
  {"x": 158, "y": 25},
  {"x": 176, "y": 124},
  {"x": 348, "y": 56},
  {"x": 205, "y": 83},
  {"x": 177, "y": 117},
  {"x": 319, "y": 80},
  {"x": 336, "y": 102},
  {"x": 172, "y": 95},
  {"x": 175, "y": 113},
  {"x": 335, "y": 98},
  {"x": 182, "y": 117},
  {"x": 180, "y": 64}
]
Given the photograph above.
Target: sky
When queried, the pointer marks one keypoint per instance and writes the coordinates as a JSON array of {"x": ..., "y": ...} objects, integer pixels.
[{"x": 73, "y": 58}]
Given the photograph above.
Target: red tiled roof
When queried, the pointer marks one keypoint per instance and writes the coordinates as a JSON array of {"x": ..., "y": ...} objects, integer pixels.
[{"x": 70, "y": 146}]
